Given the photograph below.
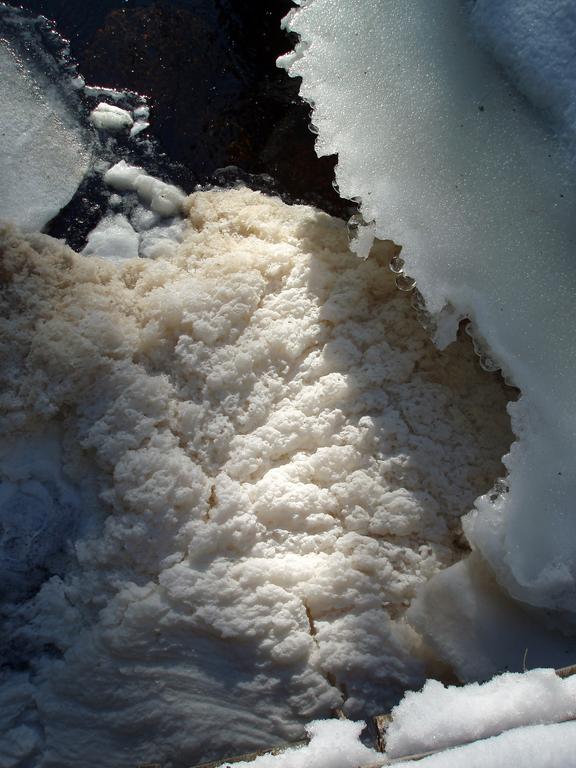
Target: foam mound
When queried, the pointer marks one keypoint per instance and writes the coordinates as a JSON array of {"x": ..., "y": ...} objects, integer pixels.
[{"x": 273, "y": 458}]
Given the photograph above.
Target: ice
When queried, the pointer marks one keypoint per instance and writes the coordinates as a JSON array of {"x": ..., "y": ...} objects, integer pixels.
[
  {"x": 151, "y": 227},
  {"x": 479, "y": 630},
  {"x": 535, "y": 40},
  {"x": 109, "y": 117},
  {"x": 44, "y": 151},
  {"x": 164, "y": 199},
  {"x": 453, "y": 163},
  {"x": 40, "y": 512}
]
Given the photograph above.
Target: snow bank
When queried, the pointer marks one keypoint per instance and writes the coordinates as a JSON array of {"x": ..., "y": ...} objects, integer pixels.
[
  {"x": 44, "y": 152},
  {"x": 452, "y": 162},
  {"x": 281, "y": 458}
]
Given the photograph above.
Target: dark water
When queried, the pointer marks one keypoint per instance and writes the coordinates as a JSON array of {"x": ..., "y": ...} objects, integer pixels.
[{"x": 218, "y": 99}]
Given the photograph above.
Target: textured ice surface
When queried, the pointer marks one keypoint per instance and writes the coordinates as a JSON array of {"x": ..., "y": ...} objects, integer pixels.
[
  {"x": 454, "y": 164},
  {"x": 40, "y": 512},
  {"x": 44, "y": 153},
  {"x": 283, "y": 456}
]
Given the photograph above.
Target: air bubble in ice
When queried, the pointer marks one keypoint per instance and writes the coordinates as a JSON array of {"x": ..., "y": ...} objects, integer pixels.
[
  {"x": 354, "y": 223},
  {"x": 397, "y": 264},
  {"x": 405, "y": 283}
]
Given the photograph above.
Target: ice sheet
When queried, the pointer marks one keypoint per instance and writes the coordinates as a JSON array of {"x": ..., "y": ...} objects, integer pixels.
[{"x": 44, "y": 152}]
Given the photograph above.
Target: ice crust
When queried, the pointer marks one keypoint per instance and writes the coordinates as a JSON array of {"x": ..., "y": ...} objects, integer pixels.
[
  {"x": 44, "y": 151},
  {"x": 451, "y": 161},
  {"x": 281, "y": 458}
]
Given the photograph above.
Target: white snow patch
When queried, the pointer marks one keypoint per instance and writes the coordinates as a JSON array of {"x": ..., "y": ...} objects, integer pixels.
[{"x": 333, "y": 744}]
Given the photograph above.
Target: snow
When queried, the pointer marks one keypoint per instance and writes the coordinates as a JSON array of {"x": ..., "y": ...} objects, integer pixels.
[
  {"x": 280, "y": 459},
  {"x": 550, "y": 746},
  {"x": 44, "y": 152},
  {"x": 111, "y": 118},
  {"x": 451, "y": 161},
  {"x": 514, "y": 719},
  {"x": 438, "y": 717},
  {"x": 333, "y": 744}
]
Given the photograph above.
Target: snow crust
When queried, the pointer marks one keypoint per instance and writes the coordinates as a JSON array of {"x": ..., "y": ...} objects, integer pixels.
[
  {"x": 451, "y": 161},
  {"x": 280, "y": 459},
  {"x": 44, "y": 152}
]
